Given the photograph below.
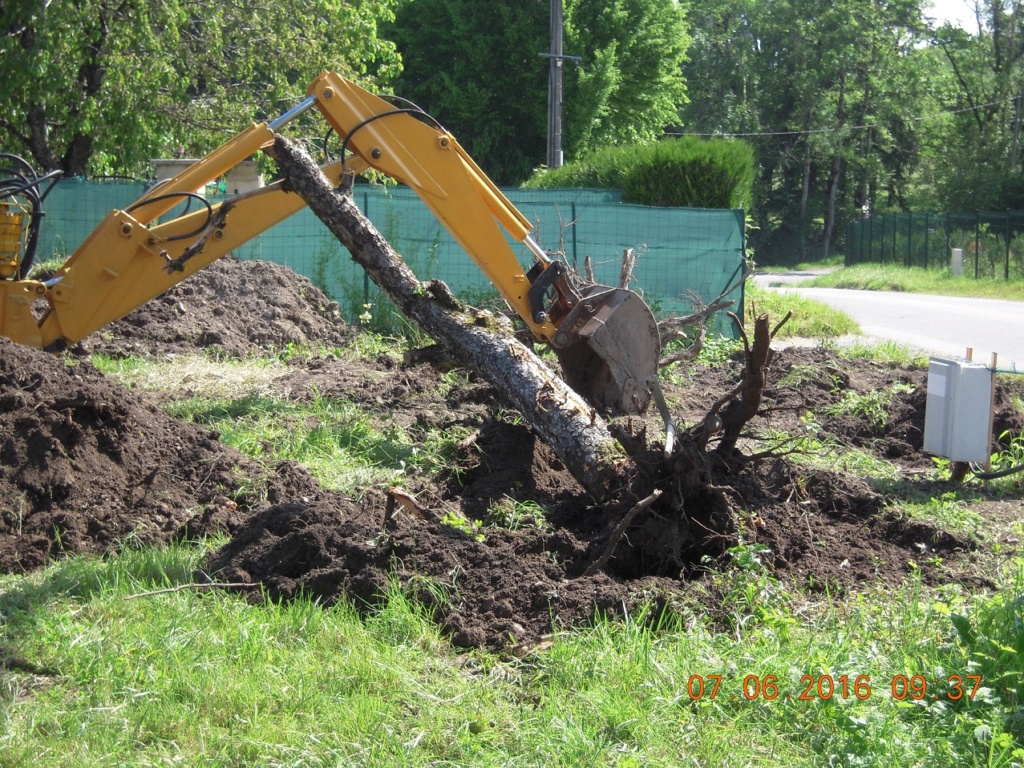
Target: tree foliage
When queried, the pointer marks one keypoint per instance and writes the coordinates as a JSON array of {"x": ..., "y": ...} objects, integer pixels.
[
  {"x": 986, "y": 71},
  {"x": 630, "y": 86},
  {"x": 852, "y": 106},
  {"x": 821, "y": 88},
  {"x": 858, "y": 106},
  {"x": 477, "y": 67},
  {"x": 100, "y": 86}
]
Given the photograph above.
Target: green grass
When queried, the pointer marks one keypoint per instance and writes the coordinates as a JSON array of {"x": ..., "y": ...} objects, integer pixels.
[
  {"x": 92, "y": 677},
  {"x": 887, "y": 353},
  {"x": 344, "y": 446},
  {"x": 810, "y": 319},
  {"x": 336, "y": 440},
  {"x": 880, "y": 277}
]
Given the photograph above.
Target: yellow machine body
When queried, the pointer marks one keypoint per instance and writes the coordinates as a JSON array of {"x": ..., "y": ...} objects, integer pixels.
[{"x": 606, "y": 335}]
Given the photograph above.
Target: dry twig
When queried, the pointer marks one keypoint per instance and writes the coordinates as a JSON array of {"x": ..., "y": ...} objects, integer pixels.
[{"x": 196, "y": 585}]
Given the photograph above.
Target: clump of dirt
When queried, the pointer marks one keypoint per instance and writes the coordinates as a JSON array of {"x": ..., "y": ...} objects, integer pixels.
[{"x": 90, "y": 467}]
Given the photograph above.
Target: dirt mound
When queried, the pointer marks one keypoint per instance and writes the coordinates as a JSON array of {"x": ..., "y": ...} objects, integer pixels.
[
  {"x": 497, "y": 543},
  {"x": 85, "y": 464},
  {"x": 495, "y": 587},
  {"x": 89, "y": 466},
  {"x": 232, "y": 307}
]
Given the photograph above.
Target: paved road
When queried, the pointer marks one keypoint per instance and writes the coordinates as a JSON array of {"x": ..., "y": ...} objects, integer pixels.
[{"x": 943, "y": 326}]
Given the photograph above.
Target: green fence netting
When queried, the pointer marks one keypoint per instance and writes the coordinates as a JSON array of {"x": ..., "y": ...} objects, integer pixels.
[
  {"x": 682, "y": 251},
  {"x": 991, "y": 242}
]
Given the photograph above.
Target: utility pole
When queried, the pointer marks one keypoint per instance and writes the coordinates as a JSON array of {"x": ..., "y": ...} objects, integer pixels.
[{"x": 555, "y": 88}]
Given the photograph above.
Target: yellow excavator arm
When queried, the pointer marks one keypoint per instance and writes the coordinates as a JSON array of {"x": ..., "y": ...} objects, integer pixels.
[{"x": 606, "y": 338}]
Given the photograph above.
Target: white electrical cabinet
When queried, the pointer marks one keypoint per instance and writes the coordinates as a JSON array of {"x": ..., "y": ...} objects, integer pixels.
[{"x": 958, "y": 411}]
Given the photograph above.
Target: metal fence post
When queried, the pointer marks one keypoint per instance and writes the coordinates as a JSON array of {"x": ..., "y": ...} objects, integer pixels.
[
  {"x": 926, "y": 241},
  {"x": 1006, "y": 268},
  {"x": 573, "y": 209},
  {"x": 910, "y": 235},
  {"x": 946, "y": 254},
  {"x": 895, "y": 226},
  {"x": 977, "y": 241},
  {"x": 366, "y": 275}
]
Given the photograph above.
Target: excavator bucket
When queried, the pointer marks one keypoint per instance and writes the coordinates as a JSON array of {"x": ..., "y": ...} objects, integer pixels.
[{"x": 609, "y": 346}]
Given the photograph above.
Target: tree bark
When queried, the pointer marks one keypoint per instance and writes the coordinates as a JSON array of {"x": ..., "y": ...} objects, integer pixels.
[
  {"x": 837, "y": 167},
  {"x": 675, "y": 513},
  {"x": 745, "y": 402},
  {"x": 564, "y": 421}
]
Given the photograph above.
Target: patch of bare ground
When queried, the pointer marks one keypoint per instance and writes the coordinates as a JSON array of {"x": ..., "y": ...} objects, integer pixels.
[{"x": 88, "y": 466}]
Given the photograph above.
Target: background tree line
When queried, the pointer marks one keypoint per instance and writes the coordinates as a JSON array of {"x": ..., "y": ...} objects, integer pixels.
[{"x": 850, "y": 105}]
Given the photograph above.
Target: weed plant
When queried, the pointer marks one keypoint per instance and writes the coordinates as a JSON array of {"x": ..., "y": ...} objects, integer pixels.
[
  {"x": 873, "y": 406},
  {"x": 948, "y": 511},
  {"x": 514, "y": 514},
  {"x": 1008, "y": 459}
]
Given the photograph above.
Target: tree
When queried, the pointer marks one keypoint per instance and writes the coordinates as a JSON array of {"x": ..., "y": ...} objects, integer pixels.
[
  {"x": 476, "y": 67},
  {"x": 988, "y": 71},
  {"x": 828, "y": 90},
  {"x": 630, "y": 86},
  {"x": 100, "y": 86},
  {"x": 721, "y": 67},
  {"x": 59, "y": 61},
  {"x": 690, "y": 515}
]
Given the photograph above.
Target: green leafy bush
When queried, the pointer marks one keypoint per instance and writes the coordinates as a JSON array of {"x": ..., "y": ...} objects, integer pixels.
[{"x": 686, "y": 172}]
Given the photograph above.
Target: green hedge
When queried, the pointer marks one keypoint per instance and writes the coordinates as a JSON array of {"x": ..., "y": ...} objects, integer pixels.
[{"x": 684, "y": 172}]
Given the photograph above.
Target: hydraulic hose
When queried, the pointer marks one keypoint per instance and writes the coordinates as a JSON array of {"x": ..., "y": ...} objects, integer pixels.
[
  {"x": 21, "y": 181},
  {"x": 998, "y": 473}
]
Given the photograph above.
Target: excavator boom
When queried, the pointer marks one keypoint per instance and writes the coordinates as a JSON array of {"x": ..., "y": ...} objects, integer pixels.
[{"x": 606, "y": 338}]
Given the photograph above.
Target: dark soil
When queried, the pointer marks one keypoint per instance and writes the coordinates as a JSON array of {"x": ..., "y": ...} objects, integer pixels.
[{"x": 88, "y": 466}]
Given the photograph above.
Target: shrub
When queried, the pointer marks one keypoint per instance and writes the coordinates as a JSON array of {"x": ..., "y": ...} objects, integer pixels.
[{"x": 686, "y": 172}]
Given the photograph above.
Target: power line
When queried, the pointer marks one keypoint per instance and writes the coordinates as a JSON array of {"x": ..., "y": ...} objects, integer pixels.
[{"x": 813, "y": 131}]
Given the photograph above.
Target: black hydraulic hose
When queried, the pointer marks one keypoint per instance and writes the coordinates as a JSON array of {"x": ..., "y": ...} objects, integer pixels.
[
  {"x": 412, "y": 109},
  {"x": 189, "y": 196},
  {"x": 998, "y": 473},
  {"x": 23, "y": 182}
]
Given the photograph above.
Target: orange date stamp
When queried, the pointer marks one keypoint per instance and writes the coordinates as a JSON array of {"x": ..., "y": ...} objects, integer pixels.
[{"x": 828, "y": 687}]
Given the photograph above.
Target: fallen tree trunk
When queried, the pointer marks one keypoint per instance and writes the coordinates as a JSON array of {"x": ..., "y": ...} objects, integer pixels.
[
  {"x": 560, "y": 417},
  {"x": 676, "y": 513}
]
